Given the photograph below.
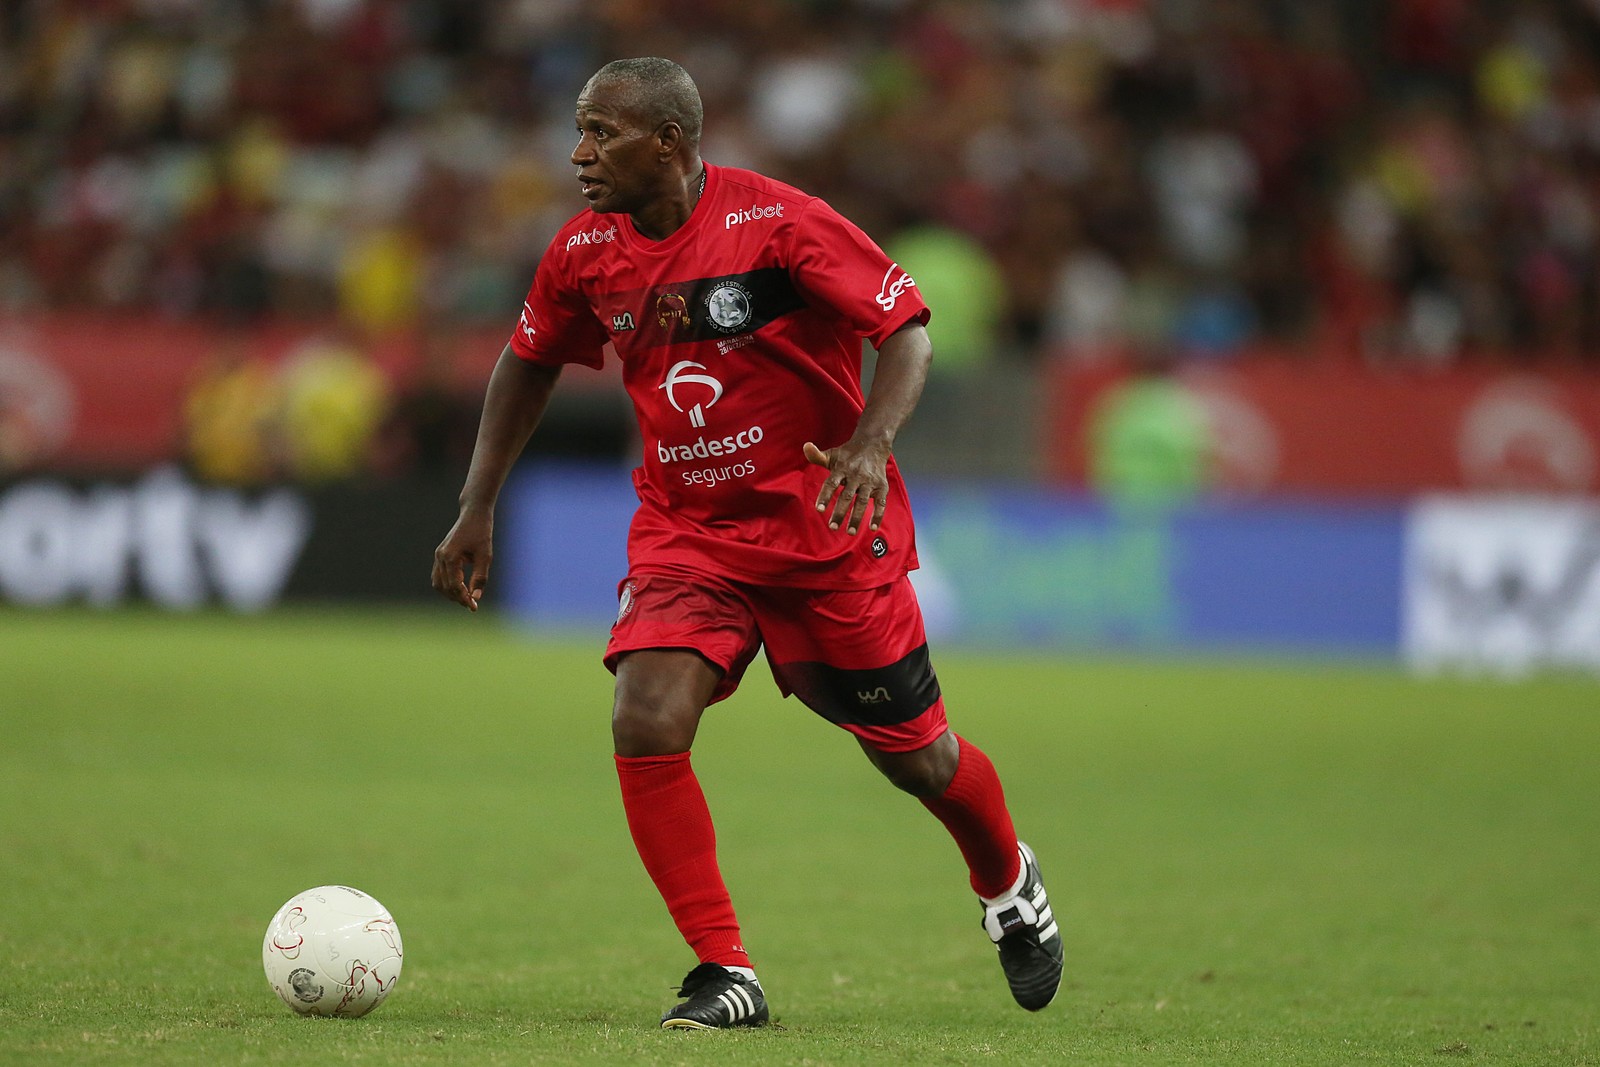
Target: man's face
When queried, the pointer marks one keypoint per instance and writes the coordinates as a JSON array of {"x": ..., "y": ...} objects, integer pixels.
[{"x": 618, "y": 161}]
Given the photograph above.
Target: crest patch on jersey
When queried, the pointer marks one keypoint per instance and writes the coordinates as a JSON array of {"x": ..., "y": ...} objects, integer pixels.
[
  {"x": 729, "y": 306},
  {"x": 708, "y": 309},
  {"x": 671, "y": 308}
]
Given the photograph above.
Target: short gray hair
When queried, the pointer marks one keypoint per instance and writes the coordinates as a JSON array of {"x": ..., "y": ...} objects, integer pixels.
[{"x": 658, "y": 91}]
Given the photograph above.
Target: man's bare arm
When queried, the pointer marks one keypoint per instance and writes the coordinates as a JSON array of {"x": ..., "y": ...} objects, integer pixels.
[
  {"x": 513, "y": 404},
  {"x": 858, "y": 469}
]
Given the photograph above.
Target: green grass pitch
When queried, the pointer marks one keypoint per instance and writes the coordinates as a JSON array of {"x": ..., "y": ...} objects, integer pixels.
[{"x": 1253, "y": 863}]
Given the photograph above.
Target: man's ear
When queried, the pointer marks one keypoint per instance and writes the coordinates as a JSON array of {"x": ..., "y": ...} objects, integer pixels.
[{"x": 669, "y": 138}]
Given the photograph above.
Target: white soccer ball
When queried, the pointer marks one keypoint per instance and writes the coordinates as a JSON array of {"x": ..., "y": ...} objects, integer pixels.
[{"x": 332, "y": 950}]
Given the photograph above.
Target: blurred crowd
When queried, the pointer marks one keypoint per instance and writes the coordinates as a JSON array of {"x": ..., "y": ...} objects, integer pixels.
[{"x": 1373, "y": 180}]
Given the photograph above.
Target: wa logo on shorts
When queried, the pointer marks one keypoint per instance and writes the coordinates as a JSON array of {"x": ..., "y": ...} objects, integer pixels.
[{"x": 681, "y": 376}]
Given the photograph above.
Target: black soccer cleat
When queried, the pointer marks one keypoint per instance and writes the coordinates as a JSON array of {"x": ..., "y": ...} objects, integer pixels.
[
  {"x": 716, "y": 1000},
  {"x": 1025, "y": 932}
]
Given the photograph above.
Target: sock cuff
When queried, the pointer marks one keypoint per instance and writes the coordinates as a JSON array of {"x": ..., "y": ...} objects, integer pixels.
[
  {"x": 646, "y": 762},
  {"x": 1015, "y": 887},
  {"x": 970, "y": 765}
]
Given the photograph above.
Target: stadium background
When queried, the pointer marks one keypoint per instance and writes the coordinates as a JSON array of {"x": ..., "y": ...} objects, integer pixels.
[
  {"x": 1267, "y": 381},
  {"x": 1260, "y": 326}
]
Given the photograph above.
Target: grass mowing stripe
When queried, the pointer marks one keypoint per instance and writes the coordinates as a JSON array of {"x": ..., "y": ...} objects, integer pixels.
[{"x": 1254, "y": 863}]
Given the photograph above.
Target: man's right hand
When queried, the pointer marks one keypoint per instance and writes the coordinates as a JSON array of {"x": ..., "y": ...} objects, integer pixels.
[{"x": 461, "y": 562}]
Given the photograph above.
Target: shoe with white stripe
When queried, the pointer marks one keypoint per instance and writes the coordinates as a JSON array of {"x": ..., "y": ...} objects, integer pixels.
[
  {"x": 717, "y": 998},
  {"x": 1024, "y": 930}
]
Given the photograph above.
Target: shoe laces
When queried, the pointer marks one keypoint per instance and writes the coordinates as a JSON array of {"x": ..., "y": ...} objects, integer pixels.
[{"x": 704, "y": 975}]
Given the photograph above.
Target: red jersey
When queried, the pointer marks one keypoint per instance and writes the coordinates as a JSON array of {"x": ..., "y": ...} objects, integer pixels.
[{"x": 740, "y": 339}]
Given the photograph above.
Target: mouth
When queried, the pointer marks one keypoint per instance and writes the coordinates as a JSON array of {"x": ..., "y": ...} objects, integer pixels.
[{"x": 590, "y": 187}]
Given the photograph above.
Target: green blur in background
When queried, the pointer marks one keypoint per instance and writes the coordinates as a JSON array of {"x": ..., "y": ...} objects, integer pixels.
[{"x": 1253, "y": 864}]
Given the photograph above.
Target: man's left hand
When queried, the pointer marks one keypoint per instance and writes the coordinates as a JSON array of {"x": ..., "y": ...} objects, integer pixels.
[{"x": 857, "y": 476}]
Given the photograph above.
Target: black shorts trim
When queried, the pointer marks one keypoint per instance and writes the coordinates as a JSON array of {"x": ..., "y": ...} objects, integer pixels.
[{"x": 879, "y": 696}]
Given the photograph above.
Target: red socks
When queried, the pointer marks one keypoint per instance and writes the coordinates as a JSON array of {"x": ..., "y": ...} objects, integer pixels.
[
  {"x": 973, "y": 809},
  {"x": 672, "y": 831}
]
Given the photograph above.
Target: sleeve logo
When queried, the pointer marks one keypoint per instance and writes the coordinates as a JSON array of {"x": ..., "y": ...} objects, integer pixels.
[{"x": 889, "y": 292}]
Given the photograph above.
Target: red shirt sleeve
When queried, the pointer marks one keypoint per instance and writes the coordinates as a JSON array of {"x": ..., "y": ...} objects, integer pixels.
[
  {"x": 838, "y": 266},
  {"x": 557, "y": 325}
]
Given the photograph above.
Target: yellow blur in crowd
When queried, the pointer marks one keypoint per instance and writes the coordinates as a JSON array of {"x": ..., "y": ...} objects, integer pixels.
[{"x": 311, "y": 417}]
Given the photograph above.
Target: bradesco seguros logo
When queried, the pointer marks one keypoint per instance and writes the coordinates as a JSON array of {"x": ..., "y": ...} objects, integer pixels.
[
  {"x": 679, "y": 376},
  {"x": 683, "y": 379}
]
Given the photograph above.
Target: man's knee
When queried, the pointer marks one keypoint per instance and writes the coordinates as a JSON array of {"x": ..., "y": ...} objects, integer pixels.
[
  {"x": 922, "y": 772},
  {"x": 659, "y": 699},
  {"x": 650, "y": 725}
]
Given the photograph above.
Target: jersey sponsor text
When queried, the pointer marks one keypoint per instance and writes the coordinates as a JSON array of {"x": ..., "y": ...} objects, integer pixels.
[
  {"x": 596, "y": 236},
  {"x": 703, "y": 449},
  {"x": 713, "y": 475},
  {"x": 750, "y": 214}
]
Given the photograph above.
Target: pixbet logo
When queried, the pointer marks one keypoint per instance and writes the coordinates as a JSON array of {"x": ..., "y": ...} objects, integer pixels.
[
  {"x": 595, "y": 236},
  {"x": 889, "y": 293},
  {"x": 750, "y": 214}
]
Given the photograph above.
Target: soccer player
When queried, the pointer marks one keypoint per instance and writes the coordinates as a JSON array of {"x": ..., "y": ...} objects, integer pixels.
[{"x": 770, "y": 510}]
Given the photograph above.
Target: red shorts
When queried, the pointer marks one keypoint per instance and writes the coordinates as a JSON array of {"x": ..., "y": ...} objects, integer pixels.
[{"x": 857, "y": 657}]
